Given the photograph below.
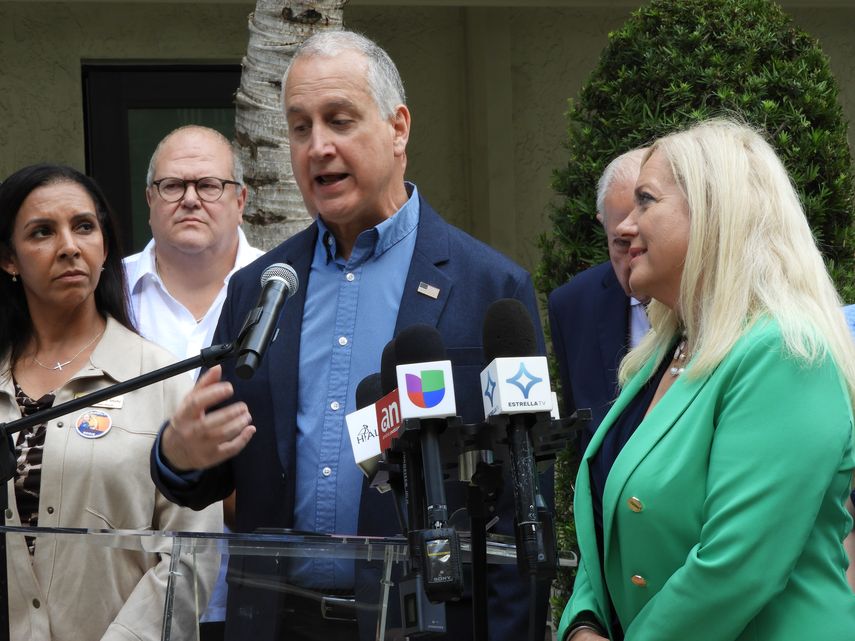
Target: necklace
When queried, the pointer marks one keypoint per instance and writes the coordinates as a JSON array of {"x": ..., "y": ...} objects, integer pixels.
[
  {"x": 59, "y": 366},
  {"x": 681, "y": 354}
]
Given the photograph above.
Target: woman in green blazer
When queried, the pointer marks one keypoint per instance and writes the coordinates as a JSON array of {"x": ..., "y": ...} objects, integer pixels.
[{"x": 710, "y": 503}]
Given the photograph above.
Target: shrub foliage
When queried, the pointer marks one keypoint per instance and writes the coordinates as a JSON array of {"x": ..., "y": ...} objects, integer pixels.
[{"x": 676, "y": 62}]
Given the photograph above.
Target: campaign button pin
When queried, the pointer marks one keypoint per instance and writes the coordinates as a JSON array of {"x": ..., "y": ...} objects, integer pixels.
[{"x": 93, "y": 423}]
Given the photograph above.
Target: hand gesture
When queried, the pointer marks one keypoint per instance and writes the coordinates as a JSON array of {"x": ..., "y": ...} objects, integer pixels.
[{"x": 196, "y": 438}]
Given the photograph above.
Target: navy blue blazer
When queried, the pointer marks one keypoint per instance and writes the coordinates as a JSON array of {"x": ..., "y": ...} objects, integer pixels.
[
  {"x": 469, "y": 275},
  {"x": 589, "y": 322}
]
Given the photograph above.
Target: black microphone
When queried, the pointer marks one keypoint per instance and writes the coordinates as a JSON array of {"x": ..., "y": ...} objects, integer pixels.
[
  {"x": 368, "y": 391},
  {"x": 508, "y": 331},
  {"x": 388, "y": 375},
  {"x": 423, "y": 344},
  {"x": 278, "y": 282},
  {"x": 427, "y": 403},
  {"x": 509, "y": 334}
]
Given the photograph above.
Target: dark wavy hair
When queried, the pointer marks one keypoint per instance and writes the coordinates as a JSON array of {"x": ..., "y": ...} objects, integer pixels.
[{"x": 111, "y": 297}]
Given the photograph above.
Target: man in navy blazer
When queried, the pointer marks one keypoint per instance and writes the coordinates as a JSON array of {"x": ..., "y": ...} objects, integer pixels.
[
  {"x": 593, "y": 318},
  {"x": 348, "y": 155}
]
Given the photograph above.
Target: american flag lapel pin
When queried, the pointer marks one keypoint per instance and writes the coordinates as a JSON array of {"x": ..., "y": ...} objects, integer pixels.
[{"x": 428, "y": 290}]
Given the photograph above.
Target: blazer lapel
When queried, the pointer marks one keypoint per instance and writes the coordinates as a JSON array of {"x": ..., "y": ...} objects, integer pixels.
[
  {"x": 582, "y": 508},
  {"x": 430, "y": 251},
  {"x": 613, "y": 321},
  {"x": 585, "y": 532},
  {"x": 425, "y": 278},
  {"x": 284, "y": 352},
  {"x": 650, "y": 431}
]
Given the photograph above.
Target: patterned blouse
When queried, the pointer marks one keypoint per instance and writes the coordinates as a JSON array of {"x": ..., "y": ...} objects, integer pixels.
[{"x": 29, "y": 444}]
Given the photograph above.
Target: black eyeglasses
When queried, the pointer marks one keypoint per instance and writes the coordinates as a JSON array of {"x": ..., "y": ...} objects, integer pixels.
[{"x": 208, "y": 189}]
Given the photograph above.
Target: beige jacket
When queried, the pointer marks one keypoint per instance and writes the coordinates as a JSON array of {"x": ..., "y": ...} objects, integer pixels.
[{"x": 74, "y": 591}]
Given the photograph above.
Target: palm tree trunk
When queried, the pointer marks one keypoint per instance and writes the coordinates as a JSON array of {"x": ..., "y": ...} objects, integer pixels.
[{"x": 274, "y": 209}]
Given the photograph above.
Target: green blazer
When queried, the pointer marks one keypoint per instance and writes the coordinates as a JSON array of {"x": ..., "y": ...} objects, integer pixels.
[{"x": 724, "y": 514}]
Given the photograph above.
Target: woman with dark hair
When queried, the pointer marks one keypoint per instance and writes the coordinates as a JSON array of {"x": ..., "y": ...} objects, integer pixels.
[
  {"x": 16, "y": 327},
  {"x": 65, "y": 332}
]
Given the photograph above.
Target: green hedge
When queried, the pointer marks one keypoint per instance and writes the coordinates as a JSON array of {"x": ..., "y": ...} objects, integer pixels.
[{"x": 677, "y": 62}]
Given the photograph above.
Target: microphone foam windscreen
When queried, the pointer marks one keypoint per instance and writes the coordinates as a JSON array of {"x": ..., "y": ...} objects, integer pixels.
[
  {"x": 419, "y": 344},
  {"x": 369, "y": 391},
  {"x": 286, "y": 273},
  {"x": 388, "y": 375},
  {"x": 508, "y": 330}
]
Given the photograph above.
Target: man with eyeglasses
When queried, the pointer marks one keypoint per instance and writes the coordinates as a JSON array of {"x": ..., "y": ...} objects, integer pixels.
[{"x": 177, "y": 284}]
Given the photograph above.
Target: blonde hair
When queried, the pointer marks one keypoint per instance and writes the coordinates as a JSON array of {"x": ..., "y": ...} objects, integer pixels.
[{"x": 751, "y": 255}]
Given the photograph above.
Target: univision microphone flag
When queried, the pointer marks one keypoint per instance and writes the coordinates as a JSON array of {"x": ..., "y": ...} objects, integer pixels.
[{"x": 426, "y": 390}]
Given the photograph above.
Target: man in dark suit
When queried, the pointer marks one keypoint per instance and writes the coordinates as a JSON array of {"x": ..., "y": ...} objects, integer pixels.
[
  {"x": 378, "y": 248},
  {"x": 594, "y": 318}
]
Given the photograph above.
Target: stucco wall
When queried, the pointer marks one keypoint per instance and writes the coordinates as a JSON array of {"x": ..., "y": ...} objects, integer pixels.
[
  {"x": 470, "y": 154},
  {"x": 427, "y": 46},
  {"x": 833, "y": 27},
  {"x": 488, "y": 87},
  {"x": 546, "y": 74},
  {"x": 42, "y": 46}
]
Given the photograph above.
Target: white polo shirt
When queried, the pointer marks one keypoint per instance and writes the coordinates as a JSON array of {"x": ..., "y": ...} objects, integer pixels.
[{"x": 162, "y": 319}]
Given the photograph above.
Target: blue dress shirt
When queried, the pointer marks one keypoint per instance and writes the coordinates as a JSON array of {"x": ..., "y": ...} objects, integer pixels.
[
  {"x": 849, "y": 312},
  {"x": 350, "y": 314}
]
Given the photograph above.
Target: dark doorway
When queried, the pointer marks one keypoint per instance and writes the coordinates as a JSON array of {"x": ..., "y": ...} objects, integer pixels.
[{"x": 128, "y": 109}]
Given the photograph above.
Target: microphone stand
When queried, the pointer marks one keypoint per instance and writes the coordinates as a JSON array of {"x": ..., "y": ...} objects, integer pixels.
[
  {"x": 483, "y": 477},
  {"x": 421, "y": 616},
  {"x": 208, "y": 357},
  {"x": 434, "y": 574},
  {"x": 537, "y": 550}
]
